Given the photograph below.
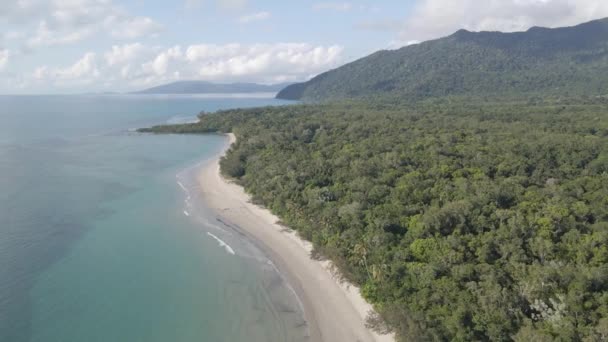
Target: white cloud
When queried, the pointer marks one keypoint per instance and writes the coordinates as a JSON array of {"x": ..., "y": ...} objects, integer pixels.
[
  {"x": 130, "y": 28},
  {"x": 4, "y": 57},
  {"x": 63, "y": 22},
  {"x": 12, "y": 35},
  {"x": 134, "y": 66},
  {"x": 46, "y": 37},
  {"x": 211, "y": 51},
  {"x": 333, "y": 6},
  {"x": 230, "y": 5},
  {"x": 123, "y": 54},
  {"x": 435, "y": 18},
  {"x": 125, "y": 71},
  {"x": 84, "y": 67},
  {"x": 22, "y": 10},
  {"x": 82, "y": 71},
  {"x": 160, "y": 65},
  {"x": 397, "y": 44},
  {"x": 78, "y": 13},
  {"x": 253, "y": 17},
  {"x": 261, "y": 62}
]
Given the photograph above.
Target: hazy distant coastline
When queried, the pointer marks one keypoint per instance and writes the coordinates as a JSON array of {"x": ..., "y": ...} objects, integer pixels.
[{"x": 203, "y": 87}]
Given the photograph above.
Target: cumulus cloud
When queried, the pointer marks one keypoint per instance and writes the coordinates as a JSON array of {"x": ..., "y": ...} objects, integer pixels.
[
  {"x": 133, "y": 66},
  {"x": 47, "y": 37},
  {"x": 77, "y": 13},
  {"x": 211, "y": 51},
  {"x": 11, "y": 35},
  {"x": 4, "y": 56},
  {"x": 230, "y": 5},
  {"x": 21, "y": 11},
  {"x": 435, "y": 18},
  {"x": 83, "y": 71},
  {"x": 130, "y": 28},
  {"x": 261, "y": 62},
  {"x": 84, "y": 67},
  {"x": 334, "y": 6},
  {"x": 62, "y": 22},
  {"x": 160, "y": 65},
  {"x": 121, "y": 54},
  {"x": 253, "y": 17}
]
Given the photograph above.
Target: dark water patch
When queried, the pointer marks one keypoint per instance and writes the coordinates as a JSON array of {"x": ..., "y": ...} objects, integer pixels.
[{"x": 49, "y": 195}]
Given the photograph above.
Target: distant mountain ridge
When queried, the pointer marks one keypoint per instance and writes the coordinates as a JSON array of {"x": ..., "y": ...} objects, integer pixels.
[
  {"x": 569, "y": 60},
  {"x": 203, "y": 87}
]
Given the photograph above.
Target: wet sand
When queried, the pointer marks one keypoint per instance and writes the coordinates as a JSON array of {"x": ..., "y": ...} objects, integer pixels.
[{"x": 335, "y": 311}]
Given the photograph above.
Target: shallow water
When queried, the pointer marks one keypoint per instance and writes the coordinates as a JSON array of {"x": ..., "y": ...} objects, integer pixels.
[{"x": 103, "y": 236}]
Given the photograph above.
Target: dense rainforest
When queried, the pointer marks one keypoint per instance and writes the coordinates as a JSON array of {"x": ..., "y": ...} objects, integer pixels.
[
  {"x": 461, "y": 219},
  {"x": 568, "y": 60}
]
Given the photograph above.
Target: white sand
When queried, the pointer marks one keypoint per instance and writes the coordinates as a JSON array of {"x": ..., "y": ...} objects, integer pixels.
[{"x": 335, "y": 311}]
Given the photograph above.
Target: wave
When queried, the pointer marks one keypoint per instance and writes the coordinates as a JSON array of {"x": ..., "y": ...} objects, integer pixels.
[
  {"x": 222, "y": 244},
  {"x": 183, "y": 187}
]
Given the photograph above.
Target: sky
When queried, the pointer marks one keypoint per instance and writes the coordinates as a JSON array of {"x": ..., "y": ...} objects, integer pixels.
[{"x": 76, "y": 46}]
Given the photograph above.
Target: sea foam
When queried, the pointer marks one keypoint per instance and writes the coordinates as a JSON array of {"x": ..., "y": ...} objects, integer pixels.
[
  {"x": 222, "y": 244},
  {"x": 183, "y": 187}
]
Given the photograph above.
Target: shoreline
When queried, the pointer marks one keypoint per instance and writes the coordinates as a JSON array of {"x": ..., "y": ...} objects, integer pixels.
[{"x": 334, "y": 310}]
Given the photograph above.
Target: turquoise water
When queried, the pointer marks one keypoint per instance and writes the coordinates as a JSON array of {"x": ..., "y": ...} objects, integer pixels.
[{"x": 103, "y": 237}]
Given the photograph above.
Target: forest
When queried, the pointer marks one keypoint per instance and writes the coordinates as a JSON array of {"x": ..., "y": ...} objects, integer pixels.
[
  {"x": 558, "y": 61},
  {"x": 461, "y": 219}
]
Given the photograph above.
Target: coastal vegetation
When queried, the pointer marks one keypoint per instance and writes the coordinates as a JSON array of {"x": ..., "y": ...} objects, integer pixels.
[
  {"x": 462, "y": 183},
  {"x": 461, "y": 219}
]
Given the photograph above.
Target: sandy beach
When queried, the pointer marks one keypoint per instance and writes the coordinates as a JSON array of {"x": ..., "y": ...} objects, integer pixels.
[{"x": 335, "y": 311}]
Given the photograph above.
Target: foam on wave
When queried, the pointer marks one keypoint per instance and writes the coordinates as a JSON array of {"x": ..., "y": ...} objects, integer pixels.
[{"x": 222, "y": 244}]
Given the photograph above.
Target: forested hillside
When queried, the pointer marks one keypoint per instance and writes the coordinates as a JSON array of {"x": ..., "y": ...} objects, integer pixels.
[
  {"x": 563, "y": 61},
  {"x": 461, "y": 220}
]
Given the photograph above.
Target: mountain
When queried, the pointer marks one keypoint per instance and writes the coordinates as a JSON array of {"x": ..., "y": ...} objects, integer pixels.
[
  {"x": 569, "y": 60},
  {"x": 202, "y": 87}
]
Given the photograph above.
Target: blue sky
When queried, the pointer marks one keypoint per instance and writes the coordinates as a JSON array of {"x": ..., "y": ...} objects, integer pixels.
[{"x": 70, "y": 46}]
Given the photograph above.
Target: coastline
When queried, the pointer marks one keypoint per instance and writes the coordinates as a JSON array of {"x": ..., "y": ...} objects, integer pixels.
[{"x": 334, "y": 310}]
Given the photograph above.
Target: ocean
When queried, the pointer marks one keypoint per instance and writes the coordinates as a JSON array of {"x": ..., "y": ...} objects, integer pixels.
[{"x": 103, "y": 236}]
